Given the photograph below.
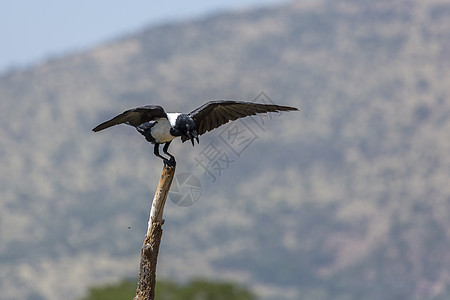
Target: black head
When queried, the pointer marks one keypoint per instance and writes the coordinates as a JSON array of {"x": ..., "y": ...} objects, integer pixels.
[{"x": 185, "y": 126}]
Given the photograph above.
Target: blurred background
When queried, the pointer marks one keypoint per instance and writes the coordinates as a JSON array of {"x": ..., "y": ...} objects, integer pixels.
[{"x": 347, "y": 199}]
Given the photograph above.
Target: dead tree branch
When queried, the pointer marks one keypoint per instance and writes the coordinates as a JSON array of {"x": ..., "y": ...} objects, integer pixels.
[{"x": 150, "y": 248}]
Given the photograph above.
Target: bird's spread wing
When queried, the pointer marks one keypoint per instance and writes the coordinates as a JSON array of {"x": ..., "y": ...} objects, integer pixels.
[
  {"x": 135, "y": 117},
  {"x": 216, "y": 113}
]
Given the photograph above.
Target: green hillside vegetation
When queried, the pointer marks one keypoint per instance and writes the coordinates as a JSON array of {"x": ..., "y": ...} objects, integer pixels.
[
  {"x": 198, "y": 289},
  {"x": 125, "y": 289},
  {"x": 347, "y": 199}
]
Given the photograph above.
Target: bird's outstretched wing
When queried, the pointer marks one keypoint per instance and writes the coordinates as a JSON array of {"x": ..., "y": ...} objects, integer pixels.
[
  {"x": 135, "y": 117},
  {"x": 216, "y": 113}
]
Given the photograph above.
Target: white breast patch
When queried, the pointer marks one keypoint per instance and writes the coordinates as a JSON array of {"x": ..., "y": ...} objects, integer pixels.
[{"x": 161, "y": 131}]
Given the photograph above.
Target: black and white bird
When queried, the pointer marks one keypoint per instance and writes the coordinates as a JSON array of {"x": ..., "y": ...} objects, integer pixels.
[{"x": 159, "y": 127}]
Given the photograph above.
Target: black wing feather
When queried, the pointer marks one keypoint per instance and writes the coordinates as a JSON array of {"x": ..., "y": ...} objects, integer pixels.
[
  {"x": 135, "y": 117},
  {"x": 216, "y": 113}
]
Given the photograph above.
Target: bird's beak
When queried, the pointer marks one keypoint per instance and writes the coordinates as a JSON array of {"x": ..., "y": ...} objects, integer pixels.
[{"x": 193, "y": 135}]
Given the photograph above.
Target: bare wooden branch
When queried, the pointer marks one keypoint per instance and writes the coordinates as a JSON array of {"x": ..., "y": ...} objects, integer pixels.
[{"x": 150, "y": 248}]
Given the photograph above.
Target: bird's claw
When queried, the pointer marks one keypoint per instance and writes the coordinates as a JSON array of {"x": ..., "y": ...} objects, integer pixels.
[{"x": 170, "y": 162}]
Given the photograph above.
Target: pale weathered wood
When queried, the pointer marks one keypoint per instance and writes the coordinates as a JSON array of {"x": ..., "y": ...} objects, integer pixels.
[{"x": 150, "y": 248}]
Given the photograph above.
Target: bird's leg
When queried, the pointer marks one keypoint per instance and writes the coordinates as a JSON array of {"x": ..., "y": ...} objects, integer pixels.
[
  {"x": 156, "y": 151},
  {"x": 172, "y": 158}
]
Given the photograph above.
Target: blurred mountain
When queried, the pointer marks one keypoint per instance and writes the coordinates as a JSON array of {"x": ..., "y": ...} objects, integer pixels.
[{"x": 347, "y": 199}]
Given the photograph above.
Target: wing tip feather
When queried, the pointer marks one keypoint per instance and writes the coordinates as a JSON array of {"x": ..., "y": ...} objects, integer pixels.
[{"x": 98, "y": 128}]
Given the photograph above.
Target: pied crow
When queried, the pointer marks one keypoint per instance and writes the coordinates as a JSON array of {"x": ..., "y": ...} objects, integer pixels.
[{"x": 159, "y": 127}]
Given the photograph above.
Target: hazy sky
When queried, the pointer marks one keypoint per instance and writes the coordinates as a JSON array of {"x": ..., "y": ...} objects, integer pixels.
[{"x": 34, "y": 30}]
